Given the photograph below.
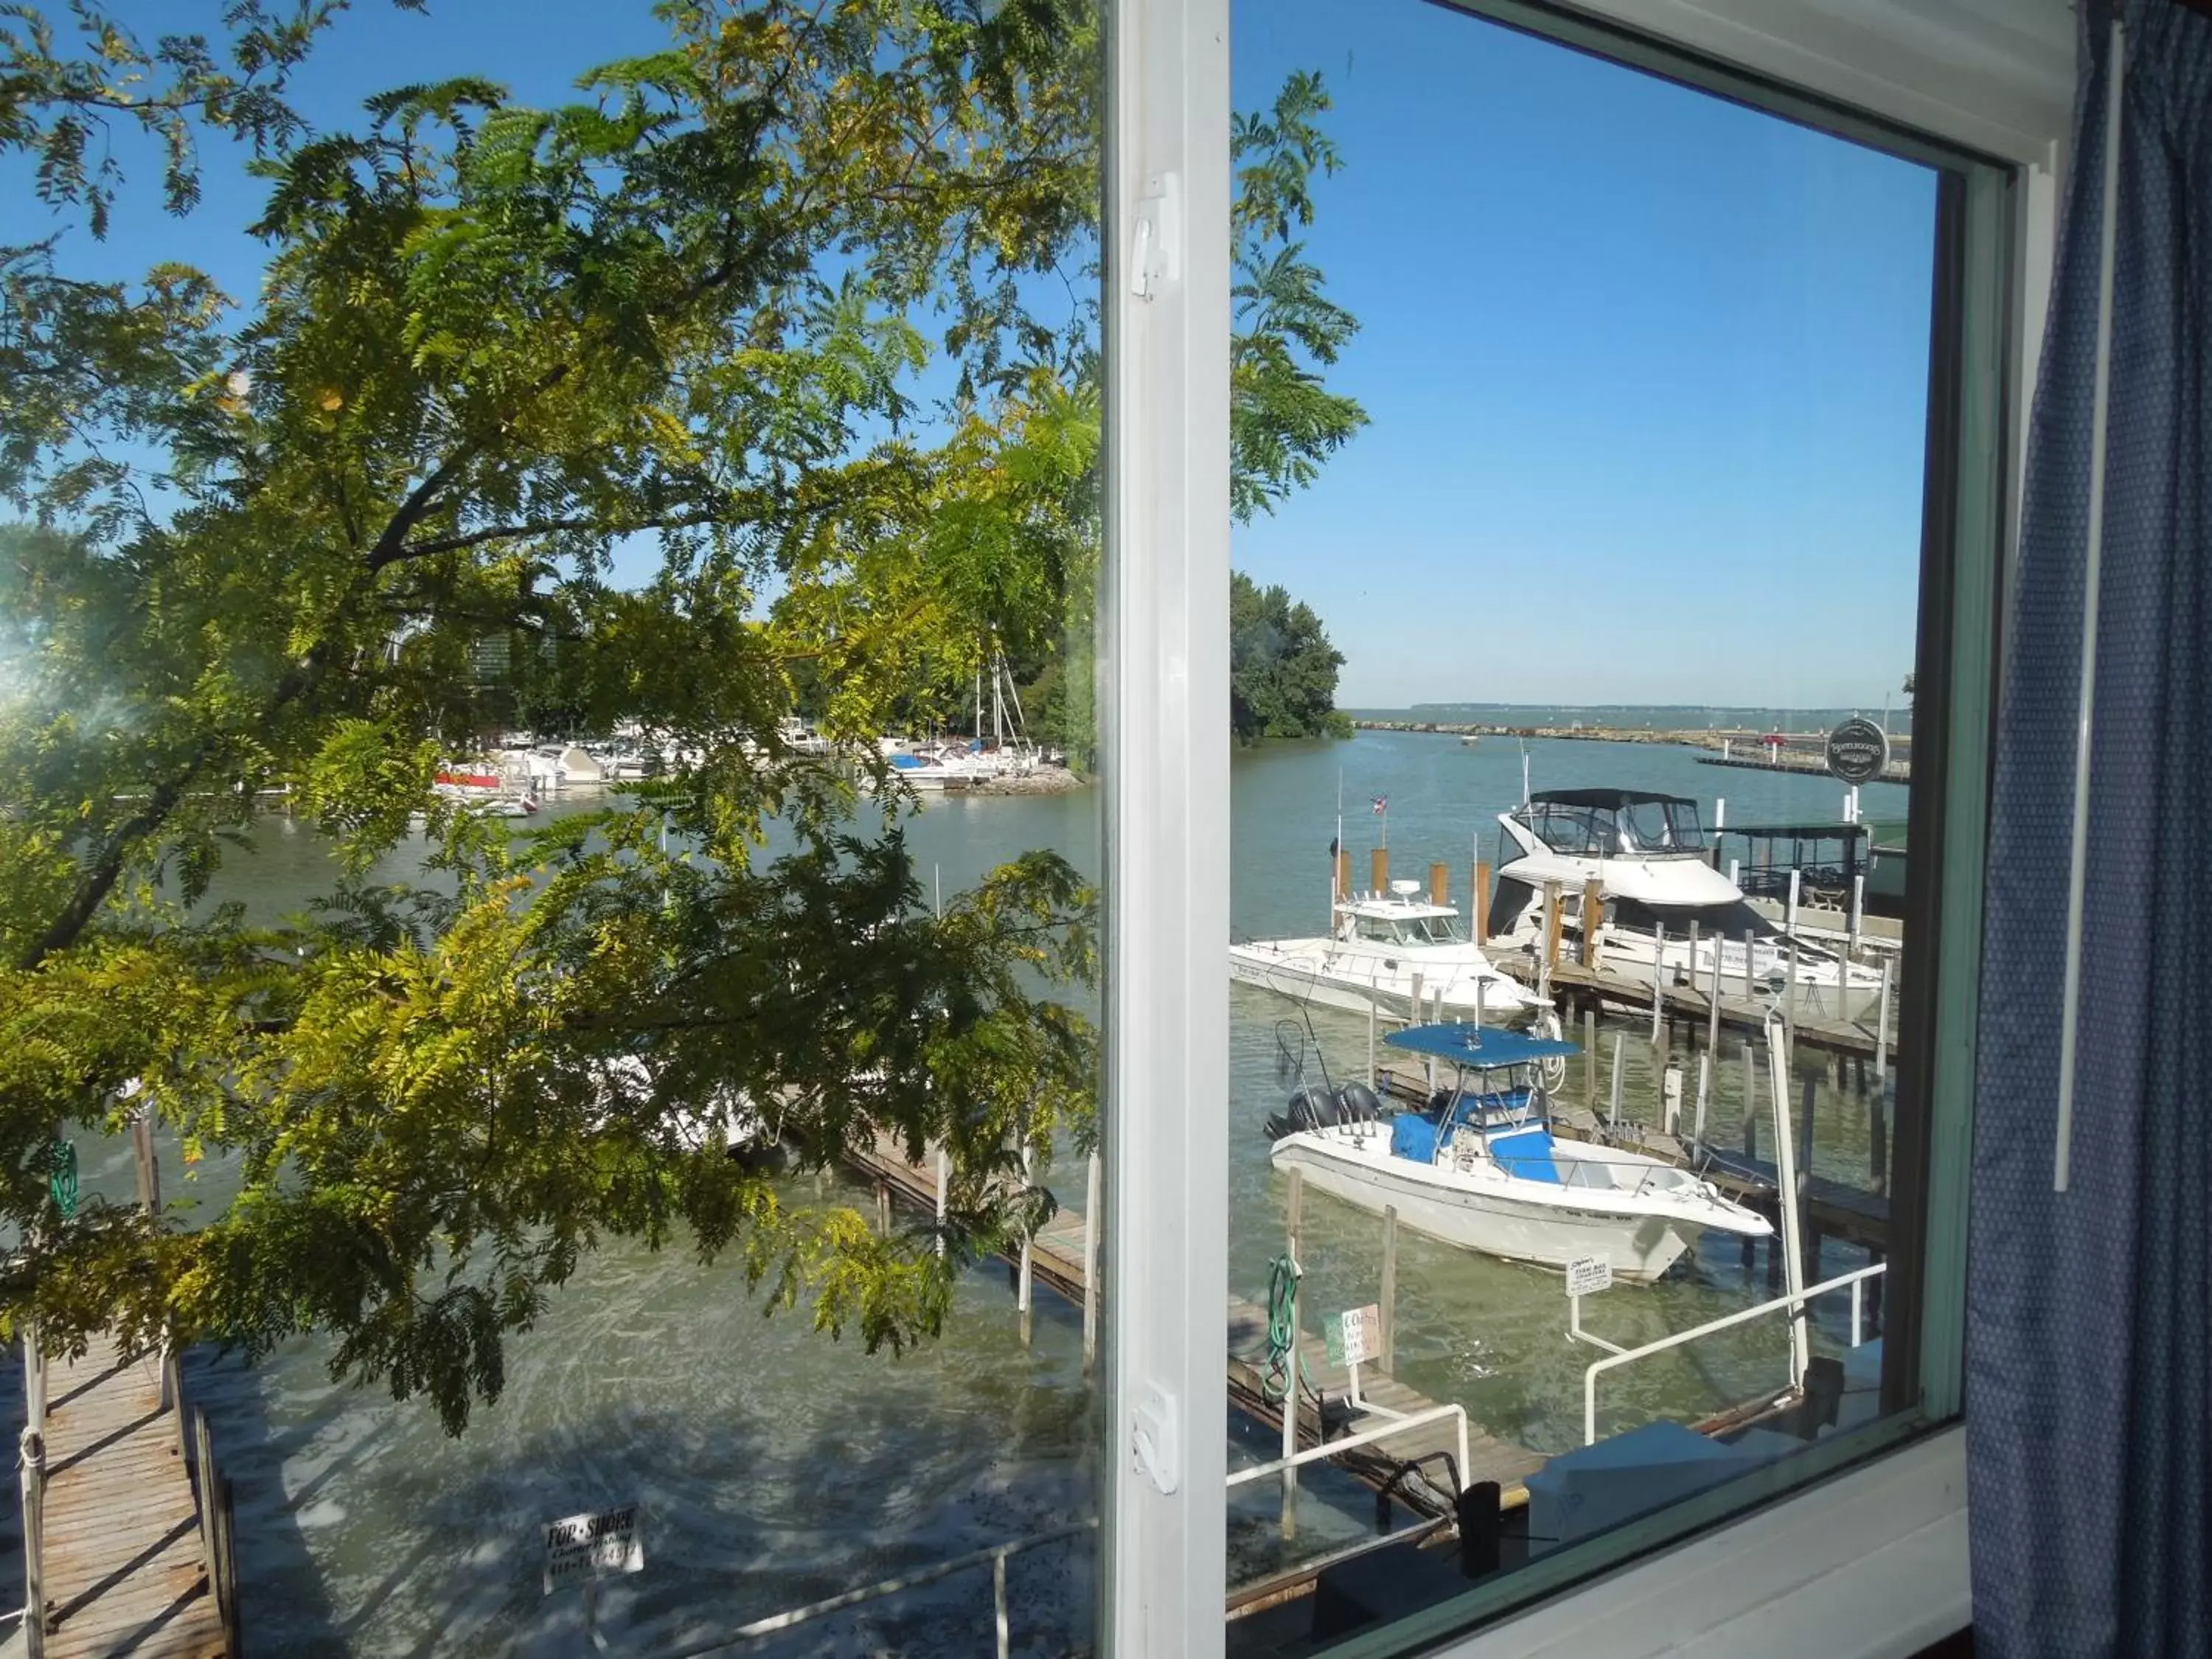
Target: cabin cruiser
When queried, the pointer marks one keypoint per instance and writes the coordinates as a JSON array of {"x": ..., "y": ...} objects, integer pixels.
[
  {"x": 1477, "y": 1166},
  {"x": 1649, "y": 855},
  {"x": 1385, "y": 946}
]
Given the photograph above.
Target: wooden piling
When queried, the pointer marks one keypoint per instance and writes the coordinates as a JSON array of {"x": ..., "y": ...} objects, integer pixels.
[
  {"x": 1378, "y": 869},
  {"x": 1092, "y": 1195},
  {"x": 1478, "y": 901},
  {"x": 1881, "y": 1033},
  {"x": 1552, "y": 919},
  {"x": 1812, "y": 1245},
  {"x": 1389, "y": 1295},
  {"x": 1293, "y": 1211},
  {"x": 1878, "y": 1140},
  {"x": 1343, "y": 873},
  {"x": 1593, "y": 924},
  {"x": 1713, "y": 1006},
  {"x": 1750, "y": 1102},
  {"x": 1439, "y": 886},
  {"x": 945, "y": 1186},
  {"x": 1589, "y": 1055}
]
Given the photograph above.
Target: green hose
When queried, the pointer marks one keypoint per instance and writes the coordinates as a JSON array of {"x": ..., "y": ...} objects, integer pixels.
[{"x": 1283, "y": 1277}]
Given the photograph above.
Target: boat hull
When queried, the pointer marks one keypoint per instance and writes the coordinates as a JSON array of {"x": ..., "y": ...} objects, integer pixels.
[
  {"x": 1550, "y": 1229},
  {"x": 1304, "y": 972}
]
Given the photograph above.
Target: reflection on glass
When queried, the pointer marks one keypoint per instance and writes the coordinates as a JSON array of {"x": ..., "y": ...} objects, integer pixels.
[
  {"x": 1627, "y": 521},
  {"x": 548, "y": 741}
]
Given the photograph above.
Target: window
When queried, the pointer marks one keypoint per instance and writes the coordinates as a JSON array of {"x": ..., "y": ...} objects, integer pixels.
[{"x": 1671, "y": 384}]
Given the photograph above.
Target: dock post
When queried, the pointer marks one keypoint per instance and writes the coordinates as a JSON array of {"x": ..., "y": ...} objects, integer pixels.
[
  {"x": 1790, "y": 1249},
  {"x": 1690, "y": 977},
  {"x": 1613, "y": 1110},
  {"x": 1790, "y": 918},
  {"x": 1478, "y": 919},
  {"x": 1371, "y": 1075},
  {"x": 1713, "y": 1007},
  {"x": 1858, "y": 914},
  {"x": 1294, "y": 1207},
  {"x": 1378, "y": 869},
  {"x": 1881, "y": 1032},
  {"x": 944, "y": 1183},
  {"x": 883, "y": 1208},
  {"x": 1658, "y": 979},
  {"x": 1022, "y": 1297},
  {"x": 1589, "y": 1057},
  {"x": 1811, "y": 1228},
  {"x": 1750, "y": 1102},
  {"x": 1790, "y": 989},
  {"x": 1550, "y": 951},
  {"x": 1593, "y": 924},
  {"x": 1670, "y": 1100},
  {"x": 1092, "y": 1196},
  {"x": 1750, "y": 994},
  {"x": 148, "y": 1170},
  {"x": 1343, "y": 881},
  {"x": 1439, "y": 886},
  {"x": 1878, "y": 1140},
  {"x": 32, "y": 1460},
  {"x": 1705, "y": 1088},
  {"x": 1389, "y": 1295}
]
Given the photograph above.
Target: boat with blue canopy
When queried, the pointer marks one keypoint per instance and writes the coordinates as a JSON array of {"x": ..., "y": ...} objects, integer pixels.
[{"x": 1478, "y": 1166}]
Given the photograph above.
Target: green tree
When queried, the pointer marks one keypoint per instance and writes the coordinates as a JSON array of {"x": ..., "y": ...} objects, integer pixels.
[
  {"x": 493, "y": 343},
  {"x": 1282, "y": 669}
]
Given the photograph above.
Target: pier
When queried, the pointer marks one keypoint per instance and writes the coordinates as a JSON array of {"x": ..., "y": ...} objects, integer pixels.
[
  {"x": 1061, "y": 1256},
  {"x": 127, "y": 1522},
  {"x": 126, "y": 1525}
]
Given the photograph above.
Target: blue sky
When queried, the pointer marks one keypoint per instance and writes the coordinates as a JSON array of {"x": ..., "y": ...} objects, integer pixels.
[{"x": 1645, "y": 371}]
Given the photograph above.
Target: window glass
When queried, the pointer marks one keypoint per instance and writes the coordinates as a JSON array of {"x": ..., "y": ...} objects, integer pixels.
[
  {"x": 549, "y": 729},
  {"x": 1631, "y": 383}
]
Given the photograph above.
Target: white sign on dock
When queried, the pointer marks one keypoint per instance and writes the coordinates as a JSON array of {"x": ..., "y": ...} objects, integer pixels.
[
  {"x": 1588, "y": 1275},
  {"x": 1356, "y": 1336},
  {"x": 582, "y": 1548}
]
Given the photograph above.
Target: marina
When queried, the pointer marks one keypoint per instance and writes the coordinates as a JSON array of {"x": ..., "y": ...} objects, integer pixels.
[{"x": 652, "y": 1378}]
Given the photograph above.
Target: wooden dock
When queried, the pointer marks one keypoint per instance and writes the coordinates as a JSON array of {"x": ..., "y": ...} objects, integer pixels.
[
  {"x": 1574, "y": 985},
  {"x": 1057, "y": 1260},
  {"x": 129, "y": 1563}
]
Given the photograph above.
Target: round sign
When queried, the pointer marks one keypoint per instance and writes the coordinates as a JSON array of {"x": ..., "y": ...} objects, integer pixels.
[{"x": 1858, "y": 750}]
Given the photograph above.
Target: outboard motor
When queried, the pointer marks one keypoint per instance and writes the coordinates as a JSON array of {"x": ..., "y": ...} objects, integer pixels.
[
  {"x": 1311, "y": 1108},
  {"x": 1356, "y": 1103}
]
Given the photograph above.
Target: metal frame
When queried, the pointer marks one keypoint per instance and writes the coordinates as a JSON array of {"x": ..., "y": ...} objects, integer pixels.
[{"x": 1165, "y": 613}]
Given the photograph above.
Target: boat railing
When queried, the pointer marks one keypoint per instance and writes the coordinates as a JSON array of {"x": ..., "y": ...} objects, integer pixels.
[
  {"x": 1792, "y": 1305},
  {"x": 994, "y": 1557}
]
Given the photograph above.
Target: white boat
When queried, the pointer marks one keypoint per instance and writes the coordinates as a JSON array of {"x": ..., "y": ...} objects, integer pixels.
[
  {"x": 1649, "y": 855},
  {"x": 1384, "y": 943},
  {"x": 1478, "y": 1166}
]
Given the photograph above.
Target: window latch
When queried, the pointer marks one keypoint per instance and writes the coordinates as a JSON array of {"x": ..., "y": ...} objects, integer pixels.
[
  {"x": 1156, "y": 244},
  {"x": 1155, "y": 1440}
]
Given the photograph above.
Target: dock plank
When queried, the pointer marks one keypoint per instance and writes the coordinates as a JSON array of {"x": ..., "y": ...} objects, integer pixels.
[{"x": 125, "y": 1567}]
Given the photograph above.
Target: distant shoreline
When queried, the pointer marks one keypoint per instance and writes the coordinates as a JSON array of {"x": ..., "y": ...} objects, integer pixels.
[{"x": 1741, "y": 746}]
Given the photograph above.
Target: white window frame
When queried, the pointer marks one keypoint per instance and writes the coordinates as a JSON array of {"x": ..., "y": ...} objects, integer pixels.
[
  {"x": 1164, "y": 722},
  {"x": 1835, "y": 1554}
]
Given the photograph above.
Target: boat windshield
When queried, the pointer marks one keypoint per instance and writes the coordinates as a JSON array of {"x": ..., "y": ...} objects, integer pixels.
[
  {"x": 1662, "y": 826},
  {"x": 1432, "y": 930}
]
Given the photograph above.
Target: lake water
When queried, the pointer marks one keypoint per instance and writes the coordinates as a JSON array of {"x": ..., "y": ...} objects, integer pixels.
[{"x": 776, "y": 1467}]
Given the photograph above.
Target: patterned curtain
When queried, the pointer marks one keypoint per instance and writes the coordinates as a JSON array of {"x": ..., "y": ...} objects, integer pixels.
[{"x": 2090, "y": 1373}]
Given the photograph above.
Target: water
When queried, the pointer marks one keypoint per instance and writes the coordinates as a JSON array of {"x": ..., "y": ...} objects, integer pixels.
[{"x": 776, "y": 1467}]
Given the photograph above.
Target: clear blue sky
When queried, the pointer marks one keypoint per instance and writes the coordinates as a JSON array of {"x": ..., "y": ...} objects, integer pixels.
[{"x": 1646, "y": 371}]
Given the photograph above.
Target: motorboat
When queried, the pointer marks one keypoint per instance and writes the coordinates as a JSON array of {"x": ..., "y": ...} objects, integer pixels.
[
  {"x": 1478, "y": 1166},
  {"x": 1385, "y": 946},
  {"x": 1656, "y": 880}
]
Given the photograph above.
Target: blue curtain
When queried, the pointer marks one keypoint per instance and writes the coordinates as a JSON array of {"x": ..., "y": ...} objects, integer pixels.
[{"x": 2088, "y": 1408}]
